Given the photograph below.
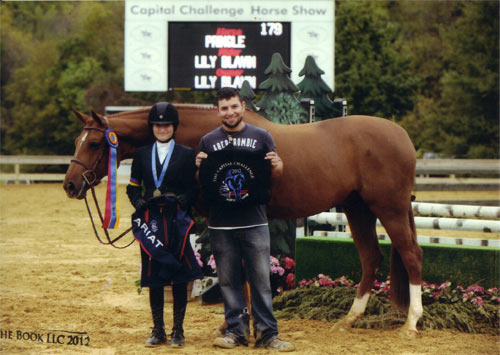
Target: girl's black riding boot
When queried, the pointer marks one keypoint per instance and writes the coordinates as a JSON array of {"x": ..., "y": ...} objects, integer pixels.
[
  {"x": 156, "y": 301},
  {"x": 180, "y": 302}
]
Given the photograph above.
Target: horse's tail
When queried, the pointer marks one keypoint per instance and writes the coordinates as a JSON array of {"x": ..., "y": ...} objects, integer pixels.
[{"x": 400, "y": 291}]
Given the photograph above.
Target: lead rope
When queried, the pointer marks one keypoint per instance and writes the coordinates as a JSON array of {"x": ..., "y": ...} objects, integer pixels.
[{"x": 109, "y": 242}]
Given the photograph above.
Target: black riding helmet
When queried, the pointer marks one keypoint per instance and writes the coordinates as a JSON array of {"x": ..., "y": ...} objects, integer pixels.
[{"x": 163, "y": 113}]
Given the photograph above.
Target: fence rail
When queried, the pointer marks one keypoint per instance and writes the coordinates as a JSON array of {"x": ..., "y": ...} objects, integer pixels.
[
  {"x": 472, "y": 225},
  {"x": 449, "y": 210},
  {"x": 459, "y": 224},
  {"x": 458, "y": 166},
  {"x": 18, "y": 160},
  {"x": 473, "y": 167}
]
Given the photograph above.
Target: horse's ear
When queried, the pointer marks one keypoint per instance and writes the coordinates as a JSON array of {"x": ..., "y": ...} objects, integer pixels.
[
  {"x": 79, "y": 115},
  {"x": 98, "y": 118}
]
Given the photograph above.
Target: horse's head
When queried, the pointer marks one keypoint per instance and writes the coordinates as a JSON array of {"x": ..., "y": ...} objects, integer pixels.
[{"x": 89, "y": 163}]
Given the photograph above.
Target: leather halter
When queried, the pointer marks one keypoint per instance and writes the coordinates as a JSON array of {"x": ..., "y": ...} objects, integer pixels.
[
  {"x": 90, "y": 170},
  {"x": 93, "y": 181}
]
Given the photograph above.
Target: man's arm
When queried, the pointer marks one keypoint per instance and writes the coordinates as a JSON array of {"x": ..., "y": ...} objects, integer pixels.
[
  {"x": 200, "y": 157},
  {"x": 272, "y": 155},
  {"x": 276, "y": 164}
]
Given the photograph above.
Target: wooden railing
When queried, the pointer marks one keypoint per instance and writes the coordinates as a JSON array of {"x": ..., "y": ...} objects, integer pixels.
[
  {"x": 482, "y": 174},
  {"x": 458, "y": 166},
  {"x": 17, "y": 160},
  {"x": 478, "y": 169}
]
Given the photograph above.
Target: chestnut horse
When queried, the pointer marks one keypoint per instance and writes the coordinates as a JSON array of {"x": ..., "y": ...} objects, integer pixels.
[{"x": 364, "y": 164}]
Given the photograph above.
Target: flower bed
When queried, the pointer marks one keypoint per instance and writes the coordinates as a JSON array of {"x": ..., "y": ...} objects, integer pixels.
[{"x": 471, "y": 309}]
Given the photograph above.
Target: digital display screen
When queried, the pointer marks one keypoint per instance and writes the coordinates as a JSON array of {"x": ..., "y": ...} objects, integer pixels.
[{"x": 211, "y": 55}]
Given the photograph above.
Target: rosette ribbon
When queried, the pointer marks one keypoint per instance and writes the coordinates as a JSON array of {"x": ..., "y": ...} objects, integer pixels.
[{"x": 112, "y": 213}]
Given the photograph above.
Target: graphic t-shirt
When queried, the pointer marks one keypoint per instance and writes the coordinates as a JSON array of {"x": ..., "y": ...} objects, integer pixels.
[{"x": 251, "y": 139}]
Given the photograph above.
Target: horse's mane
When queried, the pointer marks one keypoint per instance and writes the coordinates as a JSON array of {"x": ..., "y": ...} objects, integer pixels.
[
  {"x": 125, "y": 114},
  {"x": 194, "y": 106},
  {"x": 179, "y": 106}
]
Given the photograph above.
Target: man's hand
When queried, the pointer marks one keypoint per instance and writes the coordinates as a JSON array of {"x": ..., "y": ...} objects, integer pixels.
[
  {"x": 276, "y": 164},
  {"x": 199, "y": 157}
]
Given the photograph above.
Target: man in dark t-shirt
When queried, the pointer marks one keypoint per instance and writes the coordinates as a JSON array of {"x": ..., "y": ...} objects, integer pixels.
[
  {"x": 239, "y": 229},
  {"x": 250, "y": 142}
]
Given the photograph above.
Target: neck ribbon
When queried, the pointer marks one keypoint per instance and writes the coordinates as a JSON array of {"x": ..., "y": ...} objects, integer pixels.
[{"x": 159, "y": 180}]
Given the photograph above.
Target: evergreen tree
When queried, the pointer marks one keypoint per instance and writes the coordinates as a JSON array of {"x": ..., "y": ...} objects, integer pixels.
[
  {"x": 373, "y": 72},
  {"x": 470, "y": 105},
  {"x": 279, "y": 103},
  {"x": 312, "y": 86},
  {"x": 73, "y": 48},
  {"x": 248, "y": 95},
  {"x": 430, "y": 65},
  {"x": 457, "y": 109}
]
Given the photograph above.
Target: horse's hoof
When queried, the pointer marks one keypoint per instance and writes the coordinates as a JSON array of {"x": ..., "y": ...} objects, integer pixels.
[{"x": 408, "y": 333}]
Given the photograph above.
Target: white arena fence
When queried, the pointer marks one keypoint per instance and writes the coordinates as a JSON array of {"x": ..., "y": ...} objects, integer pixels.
[
  {"x": 459, "y": 224},
  {"x": 426, "y": 168},
  {"x": 20, "y": 160}
]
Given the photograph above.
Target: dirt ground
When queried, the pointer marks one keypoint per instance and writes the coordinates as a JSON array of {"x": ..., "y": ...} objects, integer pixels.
[{"x": 62, "y": 292}]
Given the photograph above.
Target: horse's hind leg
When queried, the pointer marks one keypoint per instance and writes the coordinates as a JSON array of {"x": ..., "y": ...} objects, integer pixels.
[
  {"x": 362, "y": 223},
  {"x": 406, "y": 267}
]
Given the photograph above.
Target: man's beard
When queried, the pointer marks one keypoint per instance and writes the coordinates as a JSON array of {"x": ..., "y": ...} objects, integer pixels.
[{"x": 234, "y": 124}]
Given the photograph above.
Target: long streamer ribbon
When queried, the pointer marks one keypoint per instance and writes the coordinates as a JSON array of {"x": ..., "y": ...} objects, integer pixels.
[{"x": 111, "y": 213}]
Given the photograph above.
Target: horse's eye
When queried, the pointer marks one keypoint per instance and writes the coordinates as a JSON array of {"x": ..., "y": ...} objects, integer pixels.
[{"x": 94, "y": 145}]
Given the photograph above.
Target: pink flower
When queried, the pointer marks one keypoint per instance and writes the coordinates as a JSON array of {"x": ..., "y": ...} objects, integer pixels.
[
  {"x": 478, "y": 301},
  {"x": 289, "y": 263},
  {"x": 325, "y": 281},
  {"x": 274, "y": 261},
  {"x": 290, "y": 280},
  {"x": 475, "y": 288},
  {"x": 444, "y": 285},
  {"x": 304, "y": 283},
  {"x": 277, "y": 270}
]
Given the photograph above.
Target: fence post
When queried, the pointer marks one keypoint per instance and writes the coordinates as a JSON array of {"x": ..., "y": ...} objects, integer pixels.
[{"x": 16, "y": 172}]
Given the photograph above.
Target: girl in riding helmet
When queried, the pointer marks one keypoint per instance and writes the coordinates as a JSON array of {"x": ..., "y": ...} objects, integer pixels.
[{"x": 162, "y": 189}]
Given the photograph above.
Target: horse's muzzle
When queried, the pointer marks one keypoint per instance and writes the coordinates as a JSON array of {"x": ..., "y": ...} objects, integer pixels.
[{"x": 72, "y": 191}]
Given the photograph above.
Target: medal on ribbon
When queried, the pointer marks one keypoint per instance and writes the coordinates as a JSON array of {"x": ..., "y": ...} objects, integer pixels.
[
  {"x": 159, "y": 180},
  {"x": 111, "y": 213}
]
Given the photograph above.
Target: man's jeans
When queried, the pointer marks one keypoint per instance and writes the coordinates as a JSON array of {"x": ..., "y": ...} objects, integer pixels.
[{"x": 252, "y": 245}]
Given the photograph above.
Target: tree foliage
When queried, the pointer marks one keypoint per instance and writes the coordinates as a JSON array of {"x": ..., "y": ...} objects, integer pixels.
[
  {"x": 470, "y": 83},
  {"x": 248, "y": 95},
  {"x": 432, "y": 66},
  {"x": 313, "y": 87},
  {"x": 456, "y": 46},
  {"x": 279, "y": 103},
  {"x": 68, "y": 48},
  {"x": 371, "y": 71}
]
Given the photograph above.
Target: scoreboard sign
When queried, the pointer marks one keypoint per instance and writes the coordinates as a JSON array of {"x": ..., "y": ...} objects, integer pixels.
[
  {"x": 205, "y": 45},
  {"x": 223, "y": 53}
]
